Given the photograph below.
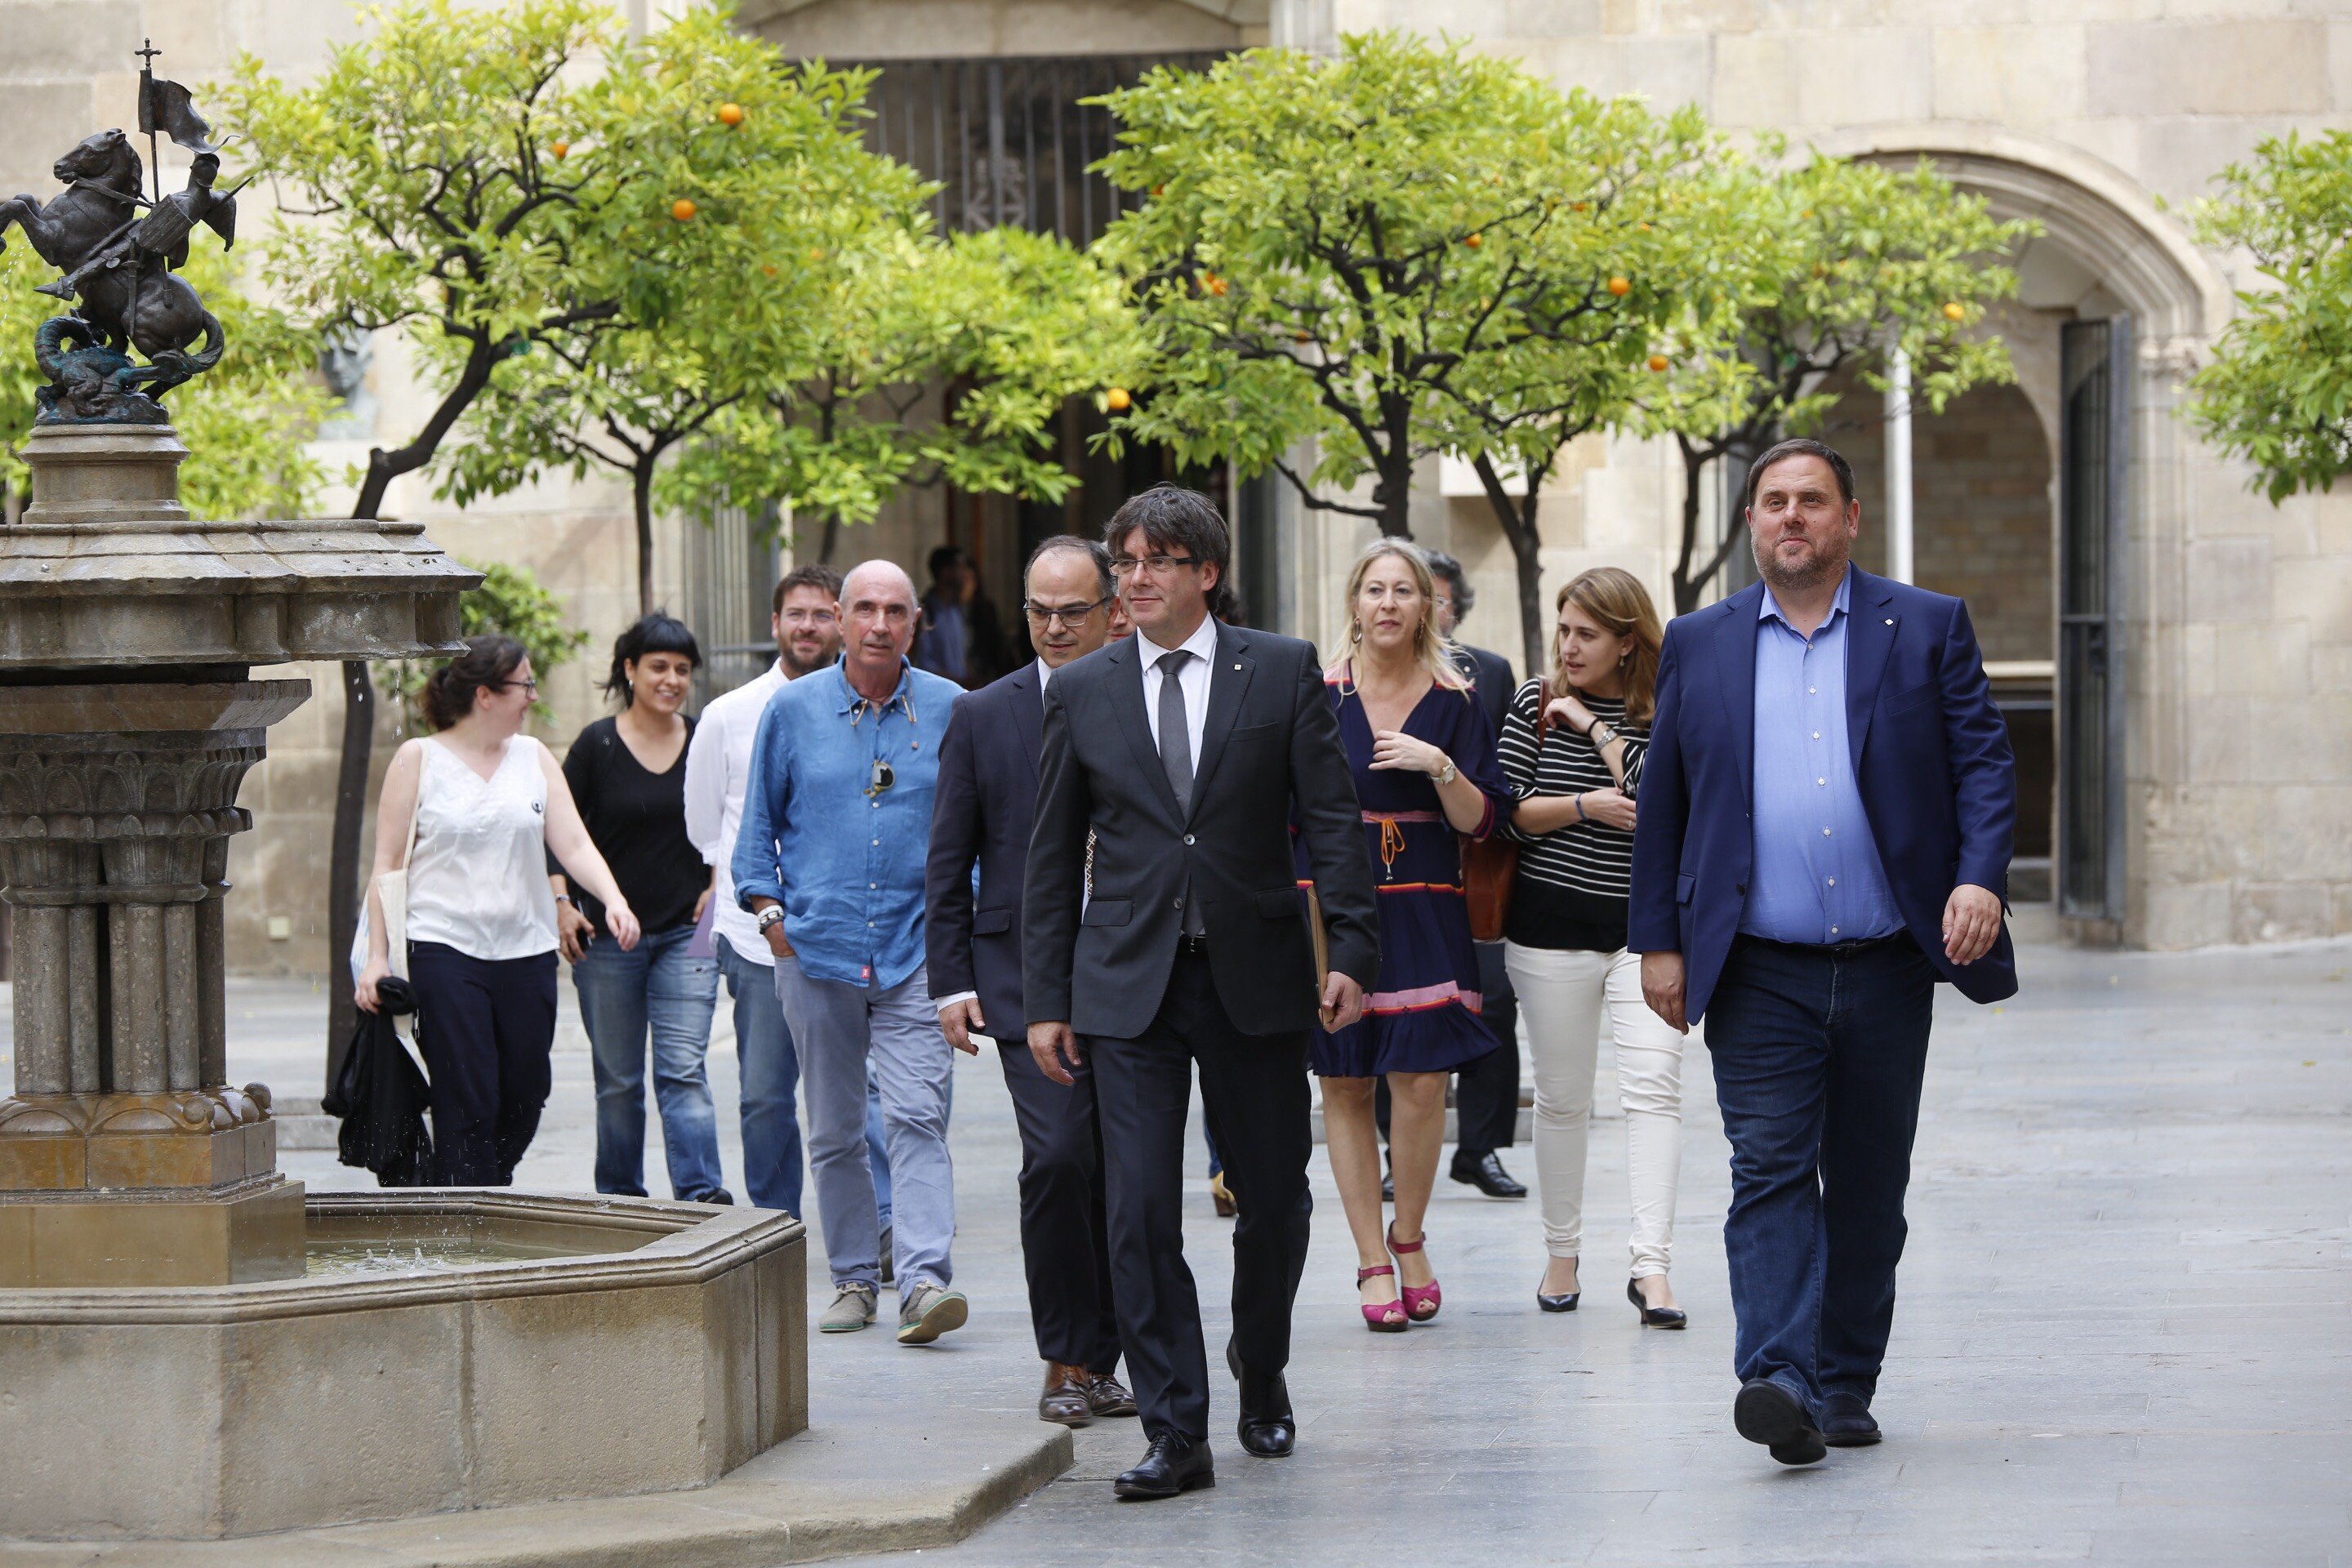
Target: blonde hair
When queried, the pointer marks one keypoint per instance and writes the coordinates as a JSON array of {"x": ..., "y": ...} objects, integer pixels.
[
  {"x": 1615, "y": 598},
  {"x": 1430, "y": 650}
]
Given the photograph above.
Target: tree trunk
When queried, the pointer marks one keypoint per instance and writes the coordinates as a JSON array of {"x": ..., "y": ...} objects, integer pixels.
[
  {"x": 1394, "y": 496},
  {"x": 832, "y": 537},
  {"x": 1518, "y": 525},
  {"x": 641, "y": 488},
  {"x": 1686, "y": 587}
]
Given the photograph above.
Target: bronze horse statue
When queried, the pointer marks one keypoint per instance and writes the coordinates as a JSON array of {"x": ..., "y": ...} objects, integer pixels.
[{"x": 121, "y": 263}]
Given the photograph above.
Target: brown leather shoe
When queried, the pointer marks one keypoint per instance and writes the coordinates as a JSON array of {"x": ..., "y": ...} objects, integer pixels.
[
  {"x": 1064, "y": 1401},
  {"x": 1109, "y": 1397}
]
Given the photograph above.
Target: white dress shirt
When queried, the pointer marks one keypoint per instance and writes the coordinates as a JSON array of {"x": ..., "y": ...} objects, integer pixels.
[
  {"x": 718, "y": 770},
  {"x": 1202, "y": 646}
]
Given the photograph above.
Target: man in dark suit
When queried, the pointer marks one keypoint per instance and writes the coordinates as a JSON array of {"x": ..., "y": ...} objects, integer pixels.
[
  {"x": 1192, "y": 946},
  {"x": 983, "y": 813},
  {"x": 1827, "y": 809}
]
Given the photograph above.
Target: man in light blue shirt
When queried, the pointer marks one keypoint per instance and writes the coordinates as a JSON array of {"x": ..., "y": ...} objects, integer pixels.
[
  {"x": 830, "y": 860},
  {"x": 1817, "y": 879}
]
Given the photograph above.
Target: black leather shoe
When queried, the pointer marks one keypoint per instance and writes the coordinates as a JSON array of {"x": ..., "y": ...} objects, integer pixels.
[
  {"x": 1266, "y": 1427},
  {"x": 1486, "y": 1174},
  {"x": 1655, "y": 1317},
  {"x": 1173, "y": 1464},
  {"x": 1846, "y": 1421},
  {"x": 1768, "y": 1413}
]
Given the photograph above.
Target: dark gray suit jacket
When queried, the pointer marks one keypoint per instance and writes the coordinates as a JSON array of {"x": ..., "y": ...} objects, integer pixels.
[
  {"x": 987, "y": 795},
  {"x": 1269, "y": 748}
]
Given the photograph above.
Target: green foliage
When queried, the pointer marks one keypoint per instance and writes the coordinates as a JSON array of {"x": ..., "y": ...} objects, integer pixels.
[
  {"x": 1827, "y": 265},
  {"x": 2278, "y": 391},
  {"x": 245, "y": 421},
  {"x": 513, "y": 601}
]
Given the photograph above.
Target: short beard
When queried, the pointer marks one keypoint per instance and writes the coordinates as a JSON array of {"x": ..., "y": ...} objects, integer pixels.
[
  {"x": 795, "y": 668},
  {"x": 1825, "y": 566}
]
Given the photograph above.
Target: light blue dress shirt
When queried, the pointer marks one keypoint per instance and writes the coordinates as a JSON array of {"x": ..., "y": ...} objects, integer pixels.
[
  {"x": 1817, "y": 877},
  {"x": 844, "y": 858}
]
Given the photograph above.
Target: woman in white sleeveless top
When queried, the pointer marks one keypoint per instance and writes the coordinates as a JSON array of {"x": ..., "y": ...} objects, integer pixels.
[{"x": 489, "y": 804}]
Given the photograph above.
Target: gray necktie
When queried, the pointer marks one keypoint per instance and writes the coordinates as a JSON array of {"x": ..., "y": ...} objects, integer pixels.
[
  {"x": 1176, "y": 756},
  {"x": 1175, "y": 733}
]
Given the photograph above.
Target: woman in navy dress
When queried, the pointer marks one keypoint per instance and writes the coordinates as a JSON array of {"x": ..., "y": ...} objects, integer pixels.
[{"x": 1424, "y": 757}]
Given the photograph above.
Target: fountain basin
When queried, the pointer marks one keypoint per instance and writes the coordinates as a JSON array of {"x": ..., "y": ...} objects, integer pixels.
[{"x": 451, "y": 1349}]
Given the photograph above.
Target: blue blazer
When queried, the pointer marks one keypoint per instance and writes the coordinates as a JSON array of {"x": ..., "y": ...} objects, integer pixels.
[
  {"x": 982, "y": 814},
  {"x": 1930, "y": 756}
]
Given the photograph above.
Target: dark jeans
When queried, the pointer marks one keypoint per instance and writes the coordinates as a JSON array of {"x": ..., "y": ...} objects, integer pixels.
[
  {"x": 1819, "y": 1053},
  {"x": 771, "y": 1072},
  {"x": 1253, "y": 1089},
  {"x": 1485, "y": 1090},
  {"x": 486, "y": 1027},
  {"x": 1064, "y": 1247}
]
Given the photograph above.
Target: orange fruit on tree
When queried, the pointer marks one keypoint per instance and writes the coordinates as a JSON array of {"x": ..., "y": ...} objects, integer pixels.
[
  {"x": 769, "y": 269},
  {"x": 1954, "y": 311},
  {"x": 683, "y": 210},
  {"x": 560, "y": 148},
  {"x": 1620, "y": 285},
  {"x": 1117, "y": 400},
  {"x": 730, "y": 115},
  {"x": 1658, "y": 361},
  {"x": 1473, "y": 241}
]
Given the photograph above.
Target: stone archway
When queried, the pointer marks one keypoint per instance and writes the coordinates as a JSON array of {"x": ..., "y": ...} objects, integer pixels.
[{"x": 2106, "y": 253}]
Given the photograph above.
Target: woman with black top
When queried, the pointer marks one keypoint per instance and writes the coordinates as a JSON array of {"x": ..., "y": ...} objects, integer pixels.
[
  {"x": 628, "y": 773},
  {"x": 1572, "y": 755}
]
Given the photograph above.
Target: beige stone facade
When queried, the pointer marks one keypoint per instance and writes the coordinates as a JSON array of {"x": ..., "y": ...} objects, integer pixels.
[{"x": 2235, "y": 741}]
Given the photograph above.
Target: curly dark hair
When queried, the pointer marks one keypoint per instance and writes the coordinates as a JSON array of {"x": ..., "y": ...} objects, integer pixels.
[{"x": 489, "y": 662}]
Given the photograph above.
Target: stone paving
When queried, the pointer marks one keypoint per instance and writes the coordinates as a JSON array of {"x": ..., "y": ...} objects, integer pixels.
[{"x": 2125, "y": 1335}]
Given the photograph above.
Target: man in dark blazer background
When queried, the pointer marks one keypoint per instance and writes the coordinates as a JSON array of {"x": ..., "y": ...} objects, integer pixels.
[
  {"x": 1826, "y": 826},
  {"x": 982, "y": 816},
  {"x": 1186, "y": 749}
]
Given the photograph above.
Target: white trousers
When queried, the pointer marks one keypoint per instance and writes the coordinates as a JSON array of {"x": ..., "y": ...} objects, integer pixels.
[{"x": 1564, "y": 995}]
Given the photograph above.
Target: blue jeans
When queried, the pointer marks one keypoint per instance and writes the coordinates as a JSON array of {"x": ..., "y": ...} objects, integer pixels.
[
  {"x": 844, "y": 1033},
  {"x": 657, "y": 985},
  {"x": 772, "y": 1074},
  {"x": 1819, "y": 1053}
]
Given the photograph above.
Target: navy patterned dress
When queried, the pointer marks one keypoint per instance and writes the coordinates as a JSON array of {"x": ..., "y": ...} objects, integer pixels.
[{"x": 1423, "y": 1013}]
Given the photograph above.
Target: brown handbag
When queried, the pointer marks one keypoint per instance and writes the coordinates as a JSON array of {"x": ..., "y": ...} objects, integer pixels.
[{"x": 1489, "y": 864}]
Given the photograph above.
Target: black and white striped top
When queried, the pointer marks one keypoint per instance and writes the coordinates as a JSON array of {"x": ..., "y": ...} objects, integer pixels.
[{"x": 1571, "y": 885}]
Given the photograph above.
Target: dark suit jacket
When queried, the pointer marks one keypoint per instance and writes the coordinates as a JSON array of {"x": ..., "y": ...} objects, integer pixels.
[
  {"x": 1269, "y": 741},
  {"x": 987, "y": 798},
  {"x": 1930, "y": 756},
  {"x": 1491, "y": 682}
]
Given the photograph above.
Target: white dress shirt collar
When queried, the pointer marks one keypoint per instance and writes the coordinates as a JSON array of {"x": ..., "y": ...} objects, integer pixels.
[{"x": 1202, "y": 645}]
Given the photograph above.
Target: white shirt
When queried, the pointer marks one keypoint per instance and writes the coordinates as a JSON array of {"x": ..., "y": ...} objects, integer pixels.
[
  {"x": 718, "y": 770},
  {"x": 478, "y": 880},
  {"x": 1202, "y": 646}
]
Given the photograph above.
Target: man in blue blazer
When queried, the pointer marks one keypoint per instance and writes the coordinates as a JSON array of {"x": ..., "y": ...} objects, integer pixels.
[
  {"x": 982, "y": 816},
  {"x": 1825, "y": 832}
]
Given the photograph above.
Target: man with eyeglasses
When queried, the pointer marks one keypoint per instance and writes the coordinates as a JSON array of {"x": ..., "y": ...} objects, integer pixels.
[
  {"x": 830, "y": 865},
  {"x": 985, "y": 810},
  {"x": 1188, "y": 751}
]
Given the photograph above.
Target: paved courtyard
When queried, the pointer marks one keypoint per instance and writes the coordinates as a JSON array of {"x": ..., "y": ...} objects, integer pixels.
[{"x": 2125, "y": 1329}]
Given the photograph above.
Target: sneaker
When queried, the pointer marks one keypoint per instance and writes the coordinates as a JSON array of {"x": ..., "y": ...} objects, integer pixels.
[
  {"x": 851, "y": 1309},
  {"x": 928, "y": 1311}
]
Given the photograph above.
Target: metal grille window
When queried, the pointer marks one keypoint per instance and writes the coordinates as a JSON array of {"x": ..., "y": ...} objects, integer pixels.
[
  {"x": 728, "y": 589},
  {"x": 1008, "y": 139}
]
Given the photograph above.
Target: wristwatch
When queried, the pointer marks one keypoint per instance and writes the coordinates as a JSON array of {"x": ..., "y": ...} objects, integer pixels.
[
  {"x": 1451, "y": 772},
  {"x": 769, "y": 916}
]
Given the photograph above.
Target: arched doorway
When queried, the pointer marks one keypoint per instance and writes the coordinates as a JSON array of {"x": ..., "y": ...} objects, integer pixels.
[{"x": 2115, "y": 306}]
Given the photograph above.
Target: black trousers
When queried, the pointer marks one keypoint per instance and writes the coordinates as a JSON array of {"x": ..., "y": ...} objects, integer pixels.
[
  {"x": 1064, "y": 1247},
  {"x": 486, "y": 1027},
  {"x": 1486, "y": 1091},
  {"x": 1253, "y": 1087}
]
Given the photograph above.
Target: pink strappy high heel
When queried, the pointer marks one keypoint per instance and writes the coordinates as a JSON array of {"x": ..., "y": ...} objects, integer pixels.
[
  {"x": 1389, "y": 1317},
  {"x": 1421, "y": 1301}
]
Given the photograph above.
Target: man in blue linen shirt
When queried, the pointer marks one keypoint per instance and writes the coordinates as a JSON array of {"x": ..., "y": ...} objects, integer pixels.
[
  {"x": 1827, "y": 809},
  {"x": 836, "y": 821}
]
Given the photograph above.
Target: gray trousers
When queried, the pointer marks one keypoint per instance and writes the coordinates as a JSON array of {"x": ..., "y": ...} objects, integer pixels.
[{"x": 837, "y": 1026}]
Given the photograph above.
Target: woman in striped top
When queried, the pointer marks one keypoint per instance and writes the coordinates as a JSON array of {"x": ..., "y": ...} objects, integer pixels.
[{"x": 1572, "y": 755}]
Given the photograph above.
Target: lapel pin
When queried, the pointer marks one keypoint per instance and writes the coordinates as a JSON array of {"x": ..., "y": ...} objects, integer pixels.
[
  {"x": 1237, "y": 667},
  {"x": 1890, "y": 620}
]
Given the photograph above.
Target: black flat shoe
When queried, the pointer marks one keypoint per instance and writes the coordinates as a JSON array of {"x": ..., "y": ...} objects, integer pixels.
[
  {"x": 1171, "y": 1465},
  {"x": 1486, "y": 1174},
  {"x": 1266, "y": 1427},
  {"x": 1768, "y": 1413},
  {"x": 1847, "y": 1423},
  {"x": 1655, "y": 1317},
  {"x": 1557, "y": 1303}
]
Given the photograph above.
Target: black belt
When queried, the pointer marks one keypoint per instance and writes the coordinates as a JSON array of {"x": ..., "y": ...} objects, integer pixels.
[{"x": 1832, "y": 949}]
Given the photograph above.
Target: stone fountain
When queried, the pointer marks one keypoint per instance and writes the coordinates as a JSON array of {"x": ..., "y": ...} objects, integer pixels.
[{"x": 185, "y": 1348}]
